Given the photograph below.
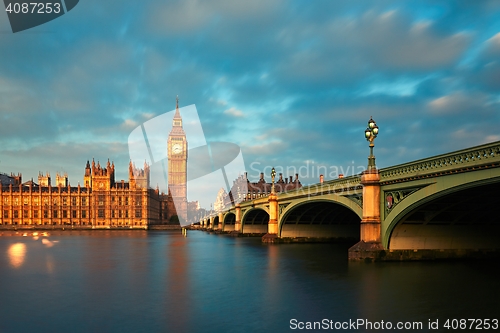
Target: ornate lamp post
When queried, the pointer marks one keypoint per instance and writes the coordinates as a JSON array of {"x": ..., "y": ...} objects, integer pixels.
[
  {"x": 370, "y": 244},
  {"x": 272, "y": 228},
  {"x": 371, "y": 133},
  {"x": 273, "y": 174}
]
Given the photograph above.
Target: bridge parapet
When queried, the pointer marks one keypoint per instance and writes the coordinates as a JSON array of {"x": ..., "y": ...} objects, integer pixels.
[
  {"x": 339, "y": 185},
  {"x": 487, "y": 155}
]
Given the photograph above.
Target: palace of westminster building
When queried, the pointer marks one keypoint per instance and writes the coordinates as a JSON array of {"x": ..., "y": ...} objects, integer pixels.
[{"x": 101, "y": 202}]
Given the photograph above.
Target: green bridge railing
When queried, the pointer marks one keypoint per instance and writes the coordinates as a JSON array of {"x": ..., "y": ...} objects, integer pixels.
[
  {"x": 487, "y": 155},
  {"x": 484, "y": 155},
  {"x": 350, "y": 183}
]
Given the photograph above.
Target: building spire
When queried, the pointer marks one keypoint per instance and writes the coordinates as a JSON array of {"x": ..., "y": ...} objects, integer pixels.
[{"x": 177, "y": 115}]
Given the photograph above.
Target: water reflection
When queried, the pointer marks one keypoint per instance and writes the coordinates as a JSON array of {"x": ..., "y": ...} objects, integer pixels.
[
  {"x": 17, "y": 254},
  {"x": 50, "y": 264},
  {"x": 47, "y": 242},
  {"x": 178, "y": 294},
  {"x": 139, "y": 281}
]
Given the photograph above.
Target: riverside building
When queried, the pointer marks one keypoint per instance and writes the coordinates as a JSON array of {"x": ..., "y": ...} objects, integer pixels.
[{"x": 101, "y": 202}]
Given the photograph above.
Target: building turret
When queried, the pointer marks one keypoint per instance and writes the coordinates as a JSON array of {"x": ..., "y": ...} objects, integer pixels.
[
  {"x": 44, "y": 180},
  {"x": 102, "y": 178},
  {"x": 87, "y": 178},
  {"x": 139, "y": 178},
  {"x": 62, "y": 180},
  {"x": 18, "y": 179}
]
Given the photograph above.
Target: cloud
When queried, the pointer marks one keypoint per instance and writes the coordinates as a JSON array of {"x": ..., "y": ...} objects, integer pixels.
[
  {"x": 188, "y": 16},
  {"x": 390, "y": 39},
  {"x": 485, "y": 73},
  {"x": 233, "y": 112},
  {"x": 268, "y": 148},
  {"x": 491, "y": 138},
  {"x": 493, "y": 45},
  {"x": 458, "y": 103},
  {"x": 177, "y": 17},
  {"x": 348, "y": 49},
  {"x": 129, "y": 124}
]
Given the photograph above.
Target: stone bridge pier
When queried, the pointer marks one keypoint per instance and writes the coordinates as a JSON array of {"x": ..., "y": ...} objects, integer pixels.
[{"x": 370, "y": 230}]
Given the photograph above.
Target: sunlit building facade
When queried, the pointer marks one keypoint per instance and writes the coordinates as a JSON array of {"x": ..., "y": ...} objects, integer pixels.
[
  {"x": 244, "y": 190},
  {"x": 100, "y": 203}
]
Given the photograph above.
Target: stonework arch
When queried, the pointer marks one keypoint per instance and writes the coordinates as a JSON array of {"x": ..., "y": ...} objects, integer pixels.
[
  {"x": 336, "y": 217},
  {"x": 229, "y": 219},
  {"x": 257, "y": 216},
  {"x": 433, "y": 236}
]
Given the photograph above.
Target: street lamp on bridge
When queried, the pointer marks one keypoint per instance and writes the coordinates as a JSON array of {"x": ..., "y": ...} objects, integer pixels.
[
  {"x": 273, "y": 174},
  {"x": 371, "y": 133}
]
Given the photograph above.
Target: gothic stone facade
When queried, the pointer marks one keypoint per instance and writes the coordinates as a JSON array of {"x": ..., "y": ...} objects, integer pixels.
[
  {"x": 255, "y": 190},
  {"x": 100, "y": 203}
]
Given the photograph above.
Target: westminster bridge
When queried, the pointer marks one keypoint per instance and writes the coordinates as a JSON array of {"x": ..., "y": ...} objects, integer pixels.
[{"x": 438, "y": 207}]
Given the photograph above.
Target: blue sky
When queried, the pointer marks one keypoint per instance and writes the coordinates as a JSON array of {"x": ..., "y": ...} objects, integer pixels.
[{"x": 293, "y": 83}]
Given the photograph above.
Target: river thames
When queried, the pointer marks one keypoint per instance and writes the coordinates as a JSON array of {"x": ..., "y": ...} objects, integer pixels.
[{"x": 160, "y": 281}]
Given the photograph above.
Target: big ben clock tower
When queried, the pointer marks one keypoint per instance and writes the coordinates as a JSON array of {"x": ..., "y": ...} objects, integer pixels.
[{"x": 177, "y": 165}]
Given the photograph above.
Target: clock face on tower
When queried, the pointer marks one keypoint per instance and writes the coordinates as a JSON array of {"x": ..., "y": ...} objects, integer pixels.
[{"x": 177, "y": 148}]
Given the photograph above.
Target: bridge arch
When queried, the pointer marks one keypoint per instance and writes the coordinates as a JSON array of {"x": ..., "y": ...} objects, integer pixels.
[
  {"x": 330, "y": 217},
  {"x": 452, "y": 212},
  {"x": 215, "y": 222},
  {"x": 255, "y": 220},
  {"x": 229, "y": 221}
]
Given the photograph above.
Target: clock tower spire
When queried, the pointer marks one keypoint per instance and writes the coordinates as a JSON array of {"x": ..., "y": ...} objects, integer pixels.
[{"x": 177, "y": 165}]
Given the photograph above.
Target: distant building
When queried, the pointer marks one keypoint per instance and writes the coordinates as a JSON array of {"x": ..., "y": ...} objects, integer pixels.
[
  {"x": 102, "y": 202},
  {"x": 219, "y": 203},
  {"x": 195, "y": 212},
  {"x": 258, "y": 189}
]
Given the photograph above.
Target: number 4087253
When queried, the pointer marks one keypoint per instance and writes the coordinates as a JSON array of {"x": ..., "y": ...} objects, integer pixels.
[{"x": 34, "y": 8}]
